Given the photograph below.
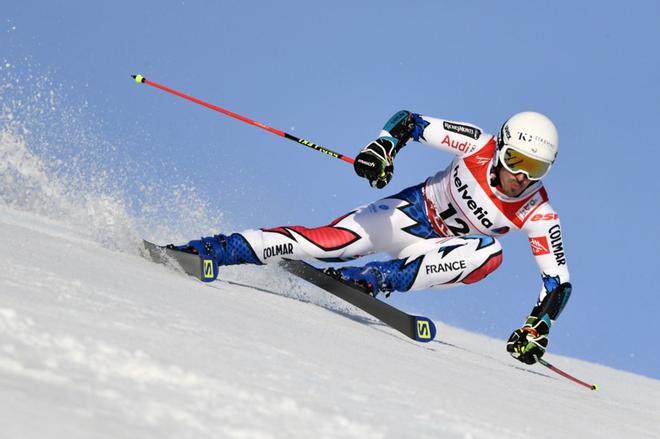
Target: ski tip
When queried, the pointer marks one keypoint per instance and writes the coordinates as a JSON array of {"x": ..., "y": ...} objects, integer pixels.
[
  {"x": 138, "y": 78},
  {"x": 424, "y": 329},
  {"x": 595, "y": 387}
]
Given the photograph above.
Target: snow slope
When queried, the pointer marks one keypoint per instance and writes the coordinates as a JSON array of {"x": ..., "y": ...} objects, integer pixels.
[{"x": 97, "y": 343}]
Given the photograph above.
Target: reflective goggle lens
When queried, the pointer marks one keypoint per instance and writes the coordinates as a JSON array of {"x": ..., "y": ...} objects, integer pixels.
[{"x": 515, "y": 161}]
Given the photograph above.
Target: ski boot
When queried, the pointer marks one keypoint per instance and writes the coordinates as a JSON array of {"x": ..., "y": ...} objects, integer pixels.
[
  {"x": 368, "y": 279},
  {"x": 225, "y": 250}
]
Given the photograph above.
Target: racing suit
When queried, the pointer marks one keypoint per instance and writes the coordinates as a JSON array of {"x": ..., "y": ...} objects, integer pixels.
[{"x": 440, "y": 233}]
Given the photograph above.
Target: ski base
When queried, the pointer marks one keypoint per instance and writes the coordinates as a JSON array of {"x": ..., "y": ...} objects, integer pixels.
[
  {"x": 203, "y": 268},
  {"x": 417, "y": 328}
]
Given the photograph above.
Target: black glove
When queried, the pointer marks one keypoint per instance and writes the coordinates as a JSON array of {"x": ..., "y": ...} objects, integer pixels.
[
  {"x": 528, "y": 343},
  {"x": 376, "y": 161}
]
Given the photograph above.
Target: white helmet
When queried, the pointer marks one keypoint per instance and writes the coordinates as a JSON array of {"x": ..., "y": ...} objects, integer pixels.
[{"x": 535, "y": 137}]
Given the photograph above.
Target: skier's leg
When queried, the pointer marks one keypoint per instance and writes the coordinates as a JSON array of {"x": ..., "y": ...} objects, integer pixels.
[
  {"x": 437, "y": 263},
  {"x": 384, "y": 226}
]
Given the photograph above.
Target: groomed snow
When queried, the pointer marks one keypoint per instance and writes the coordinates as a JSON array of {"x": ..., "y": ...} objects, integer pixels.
[{"x": 98, "y": 343}]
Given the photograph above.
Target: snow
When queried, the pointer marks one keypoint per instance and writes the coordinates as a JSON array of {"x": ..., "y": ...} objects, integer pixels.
[{"x": 98, "y": 342}]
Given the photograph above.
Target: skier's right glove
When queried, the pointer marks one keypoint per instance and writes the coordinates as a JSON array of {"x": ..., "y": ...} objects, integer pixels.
[
  {"x": 528, "y": 343},
  {"x": 376, "y": 161}
]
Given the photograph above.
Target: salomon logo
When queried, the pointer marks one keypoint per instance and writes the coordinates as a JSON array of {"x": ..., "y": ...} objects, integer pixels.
[
  {"x": 208, "y": 269},
  {"x": 423, "y": 330}
]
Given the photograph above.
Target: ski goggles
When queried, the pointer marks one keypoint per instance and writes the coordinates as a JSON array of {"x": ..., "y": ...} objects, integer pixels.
[{"x": 515, "y": 162}]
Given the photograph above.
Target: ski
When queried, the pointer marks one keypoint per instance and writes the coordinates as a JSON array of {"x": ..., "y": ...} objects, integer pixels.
[
  {"x": 417, "y": 328},
  {"x": 203, "y": 268}
]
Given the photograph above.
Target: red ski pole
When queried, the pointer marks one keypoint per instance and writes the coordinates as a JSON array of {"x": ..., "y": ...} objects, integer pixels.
[
  {"x": 142, "y": 80},
  {"x": 566, "y": 375}
]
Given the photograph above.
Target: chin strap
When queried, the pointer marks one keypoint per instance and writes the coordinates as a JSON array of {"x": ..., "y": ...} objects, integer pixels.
[
  {"x": 494, "y": 173},
  {"x": 495, "y": 176},
  {"x": 500, "y": 143}
]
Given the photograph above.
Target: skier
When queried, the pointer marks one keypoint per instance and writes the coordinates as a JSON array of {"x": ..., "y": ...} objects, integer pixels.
[{"x": 442, "y": 232}]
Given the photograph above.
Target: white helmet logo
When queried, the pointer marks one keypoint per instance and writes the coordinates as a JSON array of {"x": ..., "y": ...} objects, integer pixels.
[{"x": 533, "y": 133}]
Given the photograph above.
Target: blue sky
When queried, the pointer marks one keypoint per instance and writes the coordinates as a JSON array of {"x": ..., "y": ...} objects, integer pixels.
[{"x": 333, "y": 72}]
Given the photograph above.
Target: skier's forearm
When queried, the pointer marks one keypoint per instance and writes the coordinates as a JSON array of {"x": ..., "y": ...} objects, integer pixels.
[
  {"x": 458, "y": 138},
  {"x": 554, "y": 302}
]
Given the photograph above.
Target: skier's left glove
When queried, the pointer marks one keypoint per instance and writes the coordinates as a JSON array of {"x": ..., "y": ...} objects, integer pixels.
[
  {"x": 528, "y": 344},
  {"x": 376, "y": 161}
]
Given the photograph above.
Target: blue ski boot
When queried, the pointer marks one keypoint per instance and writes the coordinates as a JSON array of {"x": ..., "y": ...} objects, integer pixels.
[
  {"x": 380, "y": 277},
  {"x": 226, "y": 250},
  {"x": 368, "y": 279}
]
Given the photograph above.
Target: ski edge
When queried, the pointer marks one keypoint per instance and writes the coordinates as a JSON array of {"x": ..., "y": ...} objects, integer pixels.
[{"x": 418, "y": 328}]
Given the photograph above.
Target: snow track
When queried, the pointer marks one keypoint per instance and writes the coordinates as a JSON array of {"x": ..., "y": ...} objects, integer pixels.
[{"x": 100, "y": 343}]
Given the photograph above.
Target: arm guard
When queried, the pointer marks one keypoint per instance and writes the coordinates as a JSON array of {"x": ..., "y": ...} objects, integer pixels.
[{"x": 553, "y": 303}]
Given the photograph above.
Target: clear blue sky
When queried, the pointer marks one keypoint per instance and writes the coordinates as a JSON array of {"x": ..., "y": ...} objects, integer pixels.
[{"x": 333, "y": 72}]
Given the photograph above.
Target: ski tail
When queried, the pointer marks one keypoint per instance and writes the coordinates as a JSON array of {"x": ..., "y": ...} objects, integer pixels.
[
  {"x": 418, "y": 328},
  {"x": 202, "y": 267},
  {"x": 424, "y": 329}
]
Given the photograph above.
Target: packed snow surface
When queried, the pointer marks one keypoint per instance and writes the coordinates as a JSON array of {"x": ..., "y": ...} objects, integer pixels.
[{"x": 101, "y": 343}]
